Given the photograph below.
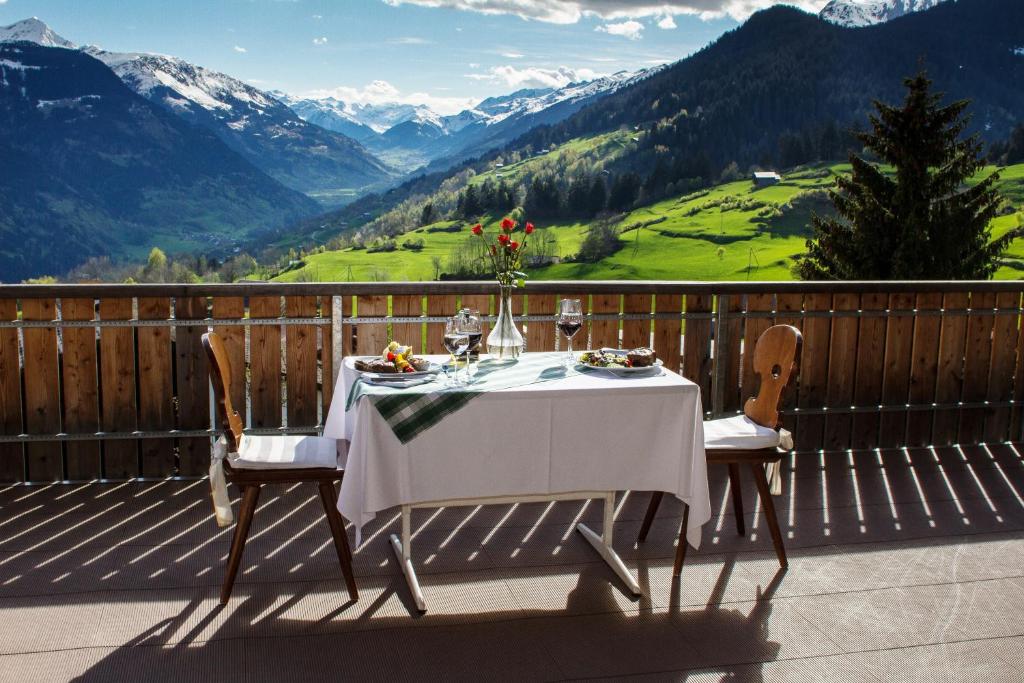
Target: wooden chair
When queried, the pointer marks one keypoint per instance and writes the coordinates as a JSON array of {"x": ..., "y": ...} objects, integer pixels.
[
  {"x": 251, "y": 479},
  {"x": 751, "y": 438}
]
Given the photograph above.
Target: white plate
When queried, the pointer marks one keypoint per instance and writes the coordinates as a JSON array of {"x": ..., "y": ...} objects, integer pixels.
[
  {"x": 623, "y": 371},
  {"x": 399, "y": 376}
]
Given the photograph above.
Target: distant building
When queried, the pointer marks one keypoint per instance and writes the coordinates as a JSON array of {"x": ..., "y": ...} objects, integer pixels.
[{"x": 766, "y": 178}]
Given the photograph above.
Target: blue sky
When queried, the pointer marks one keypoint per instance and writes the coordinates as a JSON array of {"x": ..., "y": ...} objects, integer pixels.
[{"x": 446, "y": 53}]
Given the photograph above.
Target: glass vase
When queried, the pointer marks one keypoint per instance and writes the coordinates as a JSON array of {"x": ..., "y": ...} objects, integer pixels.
[{"x": 505, "y": 342}]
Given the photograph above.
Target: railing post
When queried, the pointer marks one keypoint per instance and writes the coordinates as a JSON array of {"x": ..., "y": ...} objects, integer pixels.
[
  {"x": 720, "y": 369},
  {"x": 336, "y": 350}
]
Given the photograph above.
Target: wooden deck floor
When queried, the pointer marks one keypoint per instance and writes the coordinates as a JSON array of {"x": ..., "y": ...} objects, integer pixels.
[{"x": 905, "y": 565}]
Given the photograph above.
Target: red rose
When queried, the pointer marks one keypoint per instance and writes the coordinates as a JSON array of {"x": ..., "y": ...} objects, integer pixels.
[
  {"x": 478, "y": 229},
  {"x": 502, "y": 239},
  {"x": 494, "y": 250},
  {"x": 529, "y": 228},
  {"x": 507, "y": 224},
  {"x": 514, "y": 245}
]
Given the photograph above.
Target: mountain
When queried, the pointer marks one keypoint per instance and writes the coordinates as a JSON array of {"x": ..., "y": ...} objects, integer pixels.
[
  {"x": 783, "y": 89},
  {"x": 301, "y": 155},
  {"x": 33, "y": 31},
  {"x": 411, "y": 136},
  {"x": 102, "y": 171},
  {"x": 869, "y": 12}
]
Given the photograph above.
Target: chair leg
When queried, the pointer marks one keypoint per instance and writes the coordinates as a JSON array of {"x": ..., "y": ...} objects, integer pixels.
[
  {"x": 329, "y": 498},
  {"x": 677, "y": 568},
  {"x": 250, "y": 494},
  {"x": 737, "y": 497},
  {"x": 769, "y": 511},
  {"x": 652, "y": 509}
]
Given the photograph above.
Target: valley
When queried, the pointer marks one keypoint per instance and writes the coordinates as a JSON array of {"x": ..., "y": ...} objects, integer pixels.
[{"x": 732, "y": 231}]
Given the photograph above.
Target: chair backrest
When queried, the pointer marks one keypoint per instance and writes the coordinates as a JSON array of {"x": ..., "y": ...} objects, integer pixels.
[
  {"x": 776, "y": 359},
  {"x": 220, "y": 376}
]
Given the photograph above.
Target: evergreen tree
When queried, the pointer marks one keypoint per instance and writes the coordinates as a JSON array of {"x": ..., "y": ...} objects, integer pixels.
[{"x": 920, "y": 222}]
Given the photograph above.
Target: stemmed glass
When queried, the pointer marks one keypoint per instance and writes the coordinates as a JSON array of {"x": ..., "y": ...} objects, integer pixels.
[
  {"x": 570, "y": 321},
  {"x": 469, "y": 322},
  {"x": 456, "y": 341}
]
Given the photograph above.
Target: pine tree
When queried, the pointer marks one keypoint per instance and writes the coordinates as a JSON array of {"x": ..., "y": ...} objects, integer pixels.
[{"x": 920, "y": 222}]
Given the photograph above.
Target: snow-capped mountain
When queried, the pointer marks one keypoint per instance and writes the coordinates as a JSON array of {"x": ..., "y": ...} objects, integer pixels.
[
  {"x": 301, "y": 155},
  {"x": 34, "y": 31},
  {"x": 408, "y": 135},
  {"x": 868, "y": 12}
]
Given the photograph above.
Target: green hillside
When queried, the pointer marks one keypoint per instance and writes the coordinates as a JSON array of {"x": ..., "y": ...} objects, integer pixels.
[{"x": 733, "y": 231}]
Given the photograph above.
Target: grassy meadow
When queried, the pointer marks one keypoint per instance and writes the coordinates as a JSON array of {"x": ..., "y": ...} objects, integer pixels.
[{"x": 733, "y": 231}]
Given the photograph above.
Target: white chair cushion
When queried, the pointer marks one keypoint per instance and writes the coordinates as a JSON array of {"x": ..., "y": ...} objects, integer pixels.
[
  {"x": 738, "y": 432},
  {"x": 259, "y": 452}
]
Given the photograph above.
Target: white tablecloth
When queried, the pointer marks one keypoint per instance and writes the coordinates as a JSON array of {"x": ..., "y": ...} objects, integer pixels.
[{"x": 585, "y": 432}]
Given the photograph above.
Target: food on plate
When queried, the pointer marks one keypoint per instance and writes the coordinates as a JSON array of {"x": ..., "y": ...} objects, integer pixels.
[
  {"x": 394, "y": 358},
  {"x": 375, "y": 365},
  {"x": 642, "y": 357},
  {"x": 604, "y": 359}
]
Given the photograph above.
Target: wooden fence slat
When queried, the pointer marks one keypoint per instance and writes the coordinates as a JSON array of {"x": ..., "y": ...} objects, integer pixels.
[
  {"x": 899, "y": 338},
  {"x": 732, "y": 399},
  {"x": 42, "y": 391},
  {"x": 788, "y": 308},
  {"x": 1001, "y": 367},
  {"x": 540, "y": 336},
  {"x": 1017, "y": 412},
  {"x": 604, "y": 333},
  {"x": 636, "y": 333},
  {"x": 265, "y": 363},
  {"x": 867, "y": 387},
  {"x": 441, "y": 305},
  {"x": 81, "y": 389},
  {"x": 12, "y": 455},
  {"x": 233, "y": 337},
  {"x": 326, "y": 377},
  {"x": 977, "y": 356},
  {"x": 668, "y": 342},
  {"x": 408, "y": 333},
  {"x": 923, "y": 368},
  {"x": 949, "y": 378},
  {"x": 193, "y": 387},
  {"x": 842, "y": 363},
  {"x": 371, "y": 338},
  {"x": 810, "y": 430},
  {"x": 697, "y": 346},
  {"x": 156, "y": 387},
  {"x": 348, "y": 332},
  {"x": 117, "y": 377},
  {"x": 300, "y": 365},
  {"x": 753, "y": 328}
]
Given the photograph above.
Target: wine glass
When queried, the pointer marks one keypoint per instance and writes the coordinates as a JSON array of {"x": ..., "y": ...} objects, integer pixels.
[
  {"x": 456, "y": 342},
  {"x": 570, "y": 321},
  {"x": 469, "y": 322}
]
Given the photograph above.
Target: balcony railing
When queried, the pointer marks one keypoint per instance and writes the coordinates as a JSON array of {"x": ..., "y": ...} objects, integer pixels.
[{"x": 110, "y": 381}]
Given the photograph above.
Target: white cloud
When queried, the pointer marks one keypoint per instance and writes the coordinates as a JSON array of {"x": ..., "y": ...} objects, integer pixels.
[
  {"x": 512, "y": 55},
  {"x": 571, "y": 11},
  {"x": 410, "y": 40},
  {"x": 239, "y": 48},
  {"x": 317, "y": 17},
  {"x": 627, "y": 29},
  {"x": 322, "y": 40},
  {"x": 667, "y": 22},
  {"x": 382, "y": 92},
  {"x": 534, "y": 77}
]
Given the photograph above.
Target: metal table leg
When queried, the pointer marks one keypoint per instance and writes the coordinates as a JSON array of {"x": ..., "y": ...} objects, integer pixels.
[
  {"x": 603, "y": 544},
  {"x": 403, "y": 551}
]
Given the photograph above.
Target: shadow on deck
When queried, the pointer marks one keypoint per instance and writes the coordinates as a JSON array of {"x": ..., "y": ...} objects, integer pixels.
[{"x": 904, "y": 564}]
